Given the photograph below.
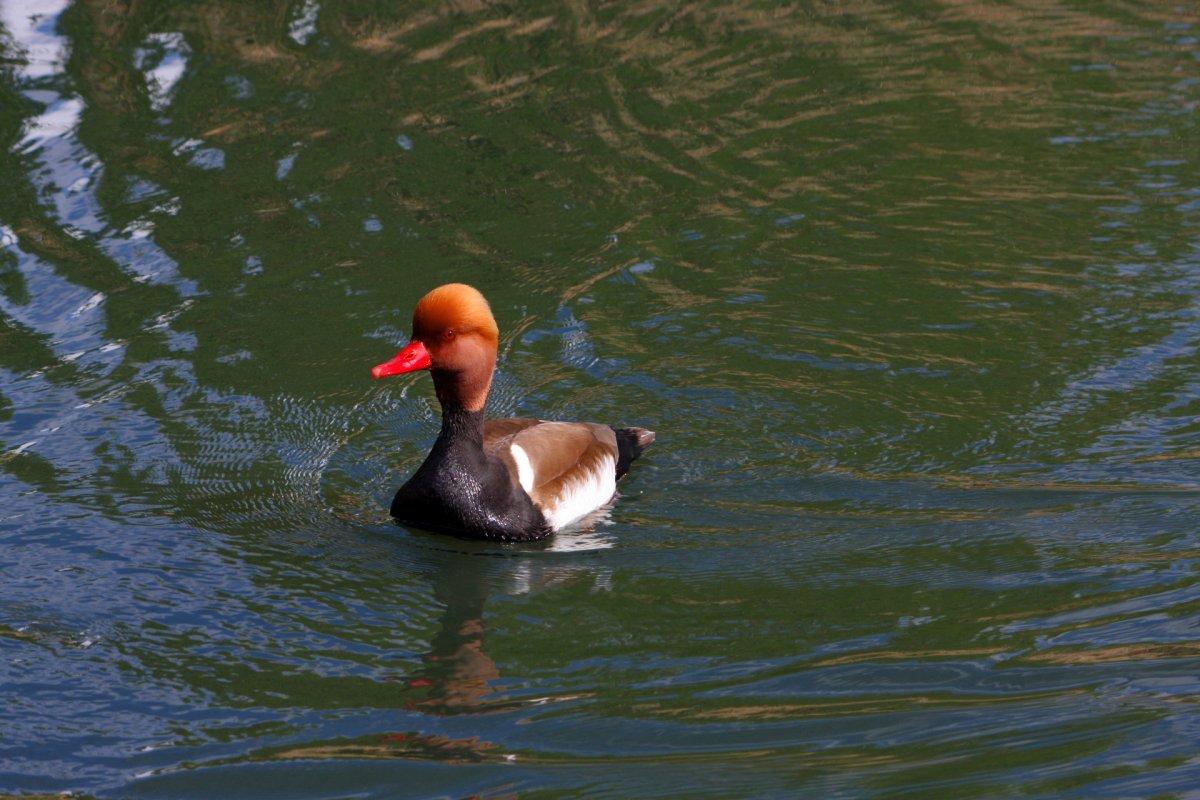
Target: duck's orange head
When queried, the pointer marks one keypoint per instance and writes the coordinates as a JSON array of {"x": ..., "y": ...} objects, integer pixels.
[{"x": 455, "y": 336}]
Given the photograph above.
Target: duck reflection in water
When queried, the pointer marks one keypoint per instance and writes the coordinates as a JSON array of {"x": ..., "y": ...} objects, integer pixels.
[
  {"x": 458, "y": 672},
  {"x": 458, "y": 675}
]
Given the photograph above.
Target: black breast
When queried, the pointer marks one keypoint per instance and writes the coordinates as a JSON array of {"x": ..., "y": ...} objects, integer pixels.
[{"x": 462, "y": 490}]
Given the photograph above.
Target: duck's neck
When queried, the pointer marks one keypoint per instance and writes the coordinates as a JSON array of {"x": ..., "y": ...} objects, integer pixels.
[
  {"x": 467, "y": 389},
  {"x": 461, "y": 427}
]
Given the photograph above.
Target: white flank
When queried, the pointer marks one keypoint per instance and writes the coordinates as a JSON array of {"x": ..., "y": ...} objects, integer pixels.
[
  {"x": 583, "y": 495},
  {"x": 524, "y": 468}
]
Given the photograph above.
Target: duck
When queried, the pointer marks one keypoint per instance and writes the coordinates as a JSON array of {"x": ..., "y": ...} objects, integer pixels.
[{"x": 507, "y": 480}]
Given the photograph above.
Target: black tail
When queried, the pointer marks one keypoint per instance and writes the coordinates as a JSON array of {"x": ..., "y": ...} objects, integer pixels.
[{"x": 630, "y": 444}]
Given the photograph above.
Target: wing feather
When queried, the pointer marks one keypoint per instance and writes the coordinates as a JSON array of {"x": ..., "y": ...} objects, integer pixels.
[{"x": 573, "y": 463}]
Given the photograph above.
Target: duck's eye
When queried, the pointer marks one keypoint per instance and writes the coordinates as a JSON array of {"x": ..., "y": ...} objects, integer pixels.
[{"x": 449, "y": 333}]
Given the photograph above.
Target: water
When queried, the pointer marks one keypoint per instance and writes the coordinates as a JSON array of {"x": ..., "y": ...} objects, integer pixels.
[{"x": 908, "y": 292}]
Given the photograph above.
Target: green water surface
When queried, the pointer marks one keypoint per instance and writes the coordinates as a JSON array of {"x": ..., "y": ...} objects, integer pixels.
[{"x": 909, "y": 291}]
